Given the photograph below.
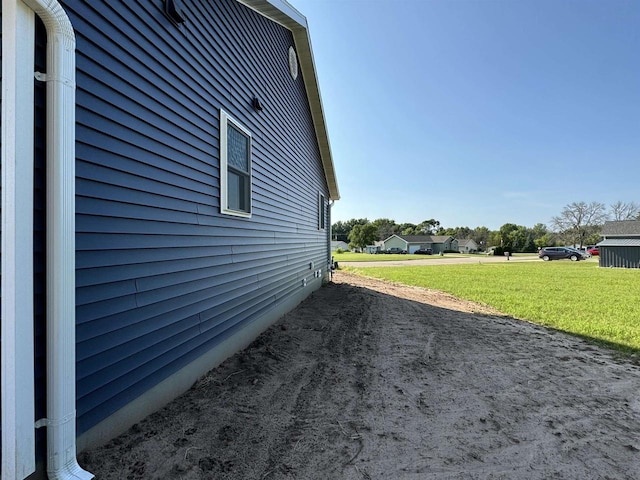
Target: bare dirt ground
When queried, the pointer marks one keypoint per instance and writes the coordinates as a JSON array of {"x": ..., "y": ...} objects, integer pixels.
[{"x": 371, "y": 380}]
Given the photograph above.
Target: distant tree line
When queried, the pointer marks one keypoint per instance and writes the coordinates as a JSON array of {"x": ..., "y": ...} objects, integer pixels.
[{"x": 578, "y": 223}]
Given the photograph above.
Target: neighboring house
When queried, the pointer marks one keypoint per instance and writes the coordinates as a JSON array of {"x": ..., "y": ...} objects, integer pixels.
[
  {"x": 467, "y": 245},
  {"x": 620, "y": 246},
  {"x": 197, "y": 216},
  {"x": 377, "y": 247},
  {"x": 411, "y": 243},
  {"x": 339, "y": 244}
]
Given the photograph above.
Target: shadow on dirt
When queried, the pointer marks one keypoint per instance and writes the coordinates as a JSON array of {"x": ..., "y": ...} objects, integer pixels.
[{"x": 368, "y": 380}]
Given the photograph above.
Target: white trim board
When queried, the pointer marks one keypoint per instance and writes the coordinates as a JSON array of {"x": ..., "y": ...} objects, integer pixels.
[{"x": 18, "y": 433}]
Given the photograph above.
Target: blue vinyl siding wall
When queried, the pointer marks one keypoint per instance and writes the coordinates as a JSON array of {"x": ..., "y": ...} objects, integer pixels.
[{"x": 162, "y": 276}]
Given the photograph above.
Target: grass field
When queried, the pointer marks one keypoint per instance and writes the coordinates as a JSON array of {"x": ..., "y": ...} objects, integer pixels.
[
  {"x": 576, "y": 297},
  {"x": 368, "y": 257}
]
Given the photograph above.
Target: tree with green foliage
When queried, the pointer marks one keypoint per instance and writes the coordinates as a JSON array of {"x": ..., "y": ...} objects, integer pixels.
[
  {"x": 362, "y": 235},
  {"x": 340, "y": 230},
  {"x": 442, "y": 231},
  {"x": 456, "y": 232},
  {"x": 480, "y": 235},
  {"x": 593, "y": 238},
  {"x": 539, "y": 230},
  {"x": 356, "y": 221},
  {"x": 546, "y": 240},
  {"x": 508, "y": 235},
  {"x": 463, "y": 232},
  {"x": 494, "y": 238},
  {"x": 516, "y": 238},
  {"x": 427, "y": 227},
  {"x": 529, "y": 244},
  {"x": 406, "y": 229},
  {"x": 385, "y": 228}
]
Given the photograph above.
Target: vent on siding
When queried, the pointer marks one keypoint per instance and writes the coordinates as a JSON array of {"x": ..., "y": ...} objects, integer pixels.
[{"x": 173, "y": 10}]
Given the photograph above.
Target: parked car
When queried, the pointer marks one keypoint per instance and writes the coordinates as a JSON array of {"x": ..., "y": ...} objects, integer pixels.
[
  {"x": 595, "y": 251},
  {"x": 424, "y": 251},
  {"x": 557, "y": 253},
  {"x": 396, "y": 250},
  {"x": 585, "y": 255}
]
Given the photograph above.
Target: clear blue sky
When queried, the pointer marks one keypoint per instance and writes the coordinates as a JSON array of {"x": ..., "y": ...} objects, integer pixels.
[{"x": 478, "y": 112}]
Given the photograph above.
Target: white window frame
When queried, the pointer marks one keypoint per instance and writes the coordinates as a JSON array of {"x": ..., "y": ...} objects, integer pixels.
[
  {"x": 322, "y": 211},
  {"x": 225, "y": 119}
]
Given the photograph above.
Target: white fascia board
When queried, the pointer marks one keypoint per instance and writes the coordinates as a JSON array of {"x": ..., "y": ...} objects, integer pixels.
[
  {"x": 279, "y": 11},
  {"x": 18, "y": 431},
  {"x": 286, "y": 15},
  {"x": 307, "y": 65}
]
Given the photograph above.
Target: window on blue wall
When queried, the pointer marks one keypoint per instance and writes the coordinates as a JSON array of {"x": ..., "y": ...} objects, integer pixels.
[
  {"x": 235, "y": 167},
  {"x": 321, "y": 212}
]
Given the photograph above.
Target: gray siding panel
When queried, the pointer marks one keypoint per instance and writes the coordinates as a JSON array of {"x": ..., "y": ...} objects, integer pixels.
[
  {"x": 622, "y": 257},
  {"x": 162, "y": 277}
]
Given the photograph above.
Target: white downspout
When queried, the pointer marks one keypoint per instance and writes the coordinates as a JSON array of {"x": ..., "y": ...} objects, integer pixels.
[
  {"x": 61, "y": 319},
  {"x": 329, "y": 256}
]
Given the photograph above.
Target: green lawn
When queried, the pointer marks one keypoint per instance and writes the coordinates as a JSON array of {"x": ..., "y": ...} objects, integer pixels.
[
  {"x": 576, "y": 297},
  {"x": 368, "y": 257}
]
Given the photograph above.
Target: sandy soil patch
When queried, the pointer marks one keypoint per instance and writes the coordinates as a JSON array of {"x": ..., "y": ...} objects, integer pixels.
[{"x": 371, "y": 380}]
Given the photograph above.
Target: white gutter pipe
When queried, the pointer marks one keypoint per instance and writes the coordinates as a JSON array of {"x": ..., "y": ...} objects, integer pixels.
[
  {"x": 18, "y": 434},
  {"x": 61, "y": 320}
]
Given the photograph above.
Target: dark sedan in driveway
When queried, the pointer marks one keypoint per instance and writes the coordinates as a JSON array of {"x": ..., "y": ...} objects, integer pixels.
[{"x": 558, "y": 253}]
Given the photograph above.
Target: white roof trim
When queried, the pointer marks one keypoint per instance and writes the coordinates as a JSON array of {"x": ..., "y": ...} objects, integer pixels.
[{"x": 286, "y": 15}]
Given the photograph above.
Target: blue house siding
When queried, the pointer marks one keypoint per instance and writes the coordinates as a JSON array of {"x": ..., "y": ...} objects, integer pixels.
[{"x": 162, "y": 276}]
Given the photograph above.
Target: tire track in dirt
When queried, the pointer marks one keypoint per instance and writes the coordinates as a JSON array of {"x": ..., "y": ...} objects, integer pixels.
[
  {"x": 371, "y": 380},
  {"x": 324, "y": 408},
  {"x": 489, "y": 392}
]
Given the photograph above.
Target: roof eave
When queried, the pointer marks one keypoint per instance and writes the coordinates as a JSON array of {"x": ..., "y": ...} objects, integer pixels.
[{"x": 286, "y": 15}]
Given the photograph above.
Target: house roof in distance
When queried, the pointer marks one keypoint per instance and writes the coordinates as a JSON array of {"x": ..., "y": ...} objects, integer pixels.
[
  {"x": 423, "y": 238},
  {"x": 622, "y": 228},
  {"x": 416, "y": 238},
  {"x": 280, "y": 11},
  {"x": 464, "y": 241},
  {"x": 620, "y": 242}
]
